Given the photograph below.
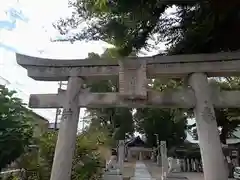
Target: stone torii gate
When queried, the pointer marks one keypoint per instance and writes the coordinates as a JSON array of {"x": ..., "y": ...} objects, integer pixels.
[{"x": 133, "y": 74}]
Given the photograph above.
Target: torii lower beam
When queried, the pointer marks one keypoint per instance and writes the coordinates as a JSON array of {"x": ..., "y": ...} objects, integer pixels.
[{"x": 169, "y": 99}]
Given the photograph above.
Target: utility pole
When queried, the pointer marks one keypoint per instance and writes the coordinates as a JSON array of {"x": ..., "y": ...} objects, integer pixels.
[{"x": 58, "y": 110}]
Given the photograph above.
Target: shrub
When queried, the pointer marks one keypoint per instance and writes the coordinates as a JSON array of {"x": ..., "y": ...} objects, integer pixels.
[{"x": 88, "y": 160}]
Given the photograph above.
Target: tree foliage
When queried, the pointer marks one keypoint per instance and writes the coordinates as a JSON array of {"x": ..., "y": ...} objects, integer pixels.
[
  {"x": 168, "y": 124},
  {"x": 16, "y": 128},
  {"x": 196, "y": 27},
  {"x": 88, "y": 160}
]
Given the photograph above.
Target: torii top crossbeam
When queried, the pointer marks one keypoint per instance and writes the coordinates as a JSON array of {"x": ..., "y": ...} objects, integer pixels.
[
  {"x": 133, "y": 73},
  {"x": 218, "y": 64}
]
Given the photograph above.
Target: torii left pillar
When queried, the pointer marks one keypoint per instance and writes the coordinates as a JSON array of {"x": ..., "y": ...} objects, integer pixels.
[{"x": 65, "y": 147}]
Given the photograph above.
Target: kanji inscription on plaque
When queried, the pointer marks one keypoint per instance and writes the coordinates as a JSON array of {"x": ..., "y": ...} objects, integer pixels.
[{"x": 132, "y": 79}]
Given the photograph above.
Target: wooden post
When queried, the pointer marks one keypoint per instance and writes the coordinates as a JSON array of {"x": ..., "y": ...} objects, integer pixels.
[
  {"x": 62, "y": 164},
  {"x": 210, "y": 145}
]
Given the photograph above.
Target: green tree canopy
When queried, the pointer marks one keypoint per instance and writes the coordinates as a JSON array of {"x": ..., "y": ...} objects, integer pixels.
[
  {"x": 16, "y": 128},
  {"x": 196, "y": 27},
  {"x": 169, "y": 125}
]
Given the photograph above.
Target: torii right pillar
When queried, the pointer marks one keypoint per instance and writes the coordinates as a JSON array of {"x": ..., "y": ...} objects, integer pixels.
[{"x": 211, "y": 150}]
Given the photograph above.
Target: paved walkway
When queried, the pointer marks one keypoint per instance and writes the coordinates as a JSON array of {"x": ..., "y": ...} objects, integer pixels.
[{"x": 141, "y": 172}]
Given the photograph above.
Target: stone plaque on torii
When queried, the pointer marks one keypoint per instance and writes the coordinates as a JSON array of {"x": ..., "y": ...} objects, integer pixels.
[{"x": 133, "y": 74}]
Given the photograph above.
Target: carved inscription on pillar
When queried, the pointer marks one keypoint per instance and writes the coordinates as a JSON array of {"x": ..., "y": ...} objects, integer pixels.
[{"x": 133, "y": 79}]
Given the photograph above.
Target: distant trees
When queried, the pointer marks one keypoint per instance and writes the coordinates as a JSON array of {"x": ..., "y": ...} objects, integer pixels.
[{"x": 169, "y": 125}]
